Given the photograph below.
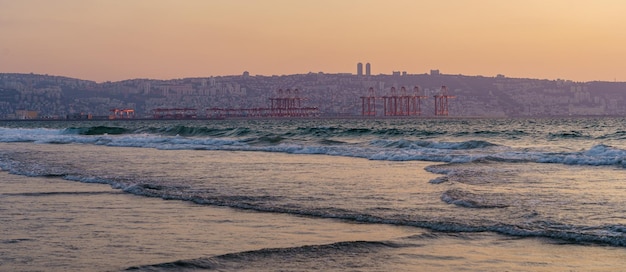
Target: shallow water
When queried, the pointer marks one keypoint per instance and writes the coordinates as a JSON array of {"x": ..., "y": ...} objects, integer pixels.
[{"x": 56, "y": 225}]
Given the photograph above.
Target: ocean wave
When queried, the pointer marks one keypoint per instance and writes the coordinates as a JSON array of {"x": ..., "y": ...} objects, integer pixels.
[
  {"x": 241, "y": 139},
  {"x": 96, "y": 130},
  {"x": 325, "y": 142},
  {"x": 464, "y": 145},
  {"x": 325, "y": 131},
  {"x": 334, "y": 131},
  {"x": 194, "y": 131},
  {"x": 473, "y": 144},
  {"x": 597, "y": 155},
  {"x": 533, "y": 226},
  {"x": 270, "y": 258},
  {"x": 10, "y": 135},
  {"x": 471, "y": 200},
  {"x": 268, "y": 139},
  {"x": 510, "y": 134},
  {"x": 567, "y": 135},
  {"x": 618, "y": 135},
  {"x": 610, "y": 235}
]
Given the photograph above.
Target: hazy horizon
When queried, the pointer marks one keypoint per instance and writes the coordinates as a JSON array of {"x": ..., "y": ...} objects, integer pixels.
[{"x": 160, "y": 39}]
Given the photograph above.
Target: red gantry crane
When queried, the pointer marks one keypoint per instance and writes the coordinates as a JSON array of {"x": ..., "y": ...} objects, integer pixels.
[{"x": 441, "y": 102}]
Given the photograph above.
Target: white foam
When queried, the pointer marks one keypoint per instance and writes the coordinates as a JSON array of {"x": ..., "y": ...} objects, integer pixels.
[
  {"x": 27, "y": 134},
  {"x": 381, "y": 149}
]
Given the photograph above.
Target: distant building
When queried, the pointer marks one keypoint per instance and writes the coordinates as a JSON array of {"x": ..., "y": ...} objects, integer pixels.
[
  {"x": 26, "y": 114},
  {"x": 368, "y": 70},
  {"x": 147, "y": 88},
  {"x": 246, "y": 74},
  {"x": 359, "y": 69},
  {"x": 434, "y": 72}
]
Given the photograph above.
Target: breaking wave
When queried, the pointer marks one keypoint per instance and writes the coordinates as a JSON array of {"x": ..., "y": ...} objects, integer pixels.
[{"x": 242, "y": 139}]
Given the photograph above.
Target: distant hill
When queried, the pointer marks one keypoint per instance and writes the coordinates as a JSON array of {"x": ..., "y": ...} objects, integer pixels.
[{"x": 334, "y": 94}]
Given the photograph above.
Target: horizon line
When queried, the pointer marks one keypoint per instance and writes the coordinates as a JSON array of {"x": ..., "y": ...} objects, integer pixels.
[{"x": 402, "y": 73}]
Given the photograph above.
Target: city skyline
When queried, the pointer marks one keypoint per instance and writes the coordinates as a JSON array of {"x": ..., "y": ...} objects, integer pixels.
[{"x": 117, "y": 40}]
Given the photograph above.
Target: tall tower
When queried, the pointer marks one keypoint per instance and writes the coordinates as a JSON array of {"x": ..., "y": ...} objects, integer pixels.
[
  {"x": 368, "y": 69},
  {"x": 359, "y": 69}
]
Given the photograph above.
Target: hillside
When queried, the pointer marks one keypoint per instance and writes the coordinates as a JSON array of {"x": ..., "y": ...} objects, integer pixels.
[{"x": 334, "y": 94}]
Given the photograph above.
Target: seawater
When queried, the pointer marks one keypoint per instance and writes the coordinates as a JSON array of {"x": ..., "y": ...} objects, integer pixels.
[{"x": 312, "y": 194}]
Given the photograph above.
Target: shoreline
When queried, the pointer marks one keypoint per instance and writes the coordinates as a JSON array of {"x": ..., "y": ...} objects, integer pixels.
[{"x": 351, "y": 117}]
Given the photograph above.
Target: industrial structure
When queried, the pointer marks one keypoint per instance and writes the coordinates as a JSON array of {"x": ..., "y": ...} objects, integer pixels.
[
  {"x": 289, "y": 103},
  {"x": 441, "y": 102},
  {"x": 174, "y": 113},
  {"x": 403, "y": 104},
  {"x": 122, "y": 113},
  {"x": 368, "y": 103},
  {"x": 286, "y": 103}
]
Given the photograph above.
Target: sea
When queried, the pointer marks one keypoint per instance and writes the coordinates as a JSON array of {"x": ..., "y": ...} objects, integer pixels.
[{"x": 405, "y": 194}]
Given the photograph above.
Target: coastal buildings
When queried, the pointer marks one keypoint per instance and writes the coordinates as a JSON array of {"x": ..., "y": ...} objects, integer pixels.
[{"x": 54, "y": 97}]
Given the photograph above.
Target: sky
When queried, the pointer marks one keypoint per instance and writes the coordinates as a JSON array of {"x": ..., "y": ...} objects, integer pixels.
[{"x": 112, "y": 40}]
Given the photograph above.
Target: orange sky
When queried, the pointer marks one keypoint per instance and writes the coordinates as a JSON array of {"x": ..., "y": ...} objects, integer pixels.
[{"x": 113, "y": 40}]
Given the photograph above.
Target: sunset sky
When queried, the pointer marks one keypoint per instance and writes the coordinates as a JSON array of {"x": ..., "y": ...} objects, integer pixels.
[{"x": 110, "y": 40}]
